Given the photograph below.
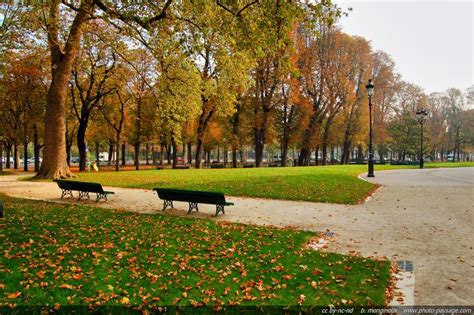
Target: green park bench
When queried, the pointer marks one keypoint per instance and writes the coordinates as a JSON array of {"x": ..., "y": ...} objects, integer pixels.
[
  {"x": 68, "y": 186},
  {"x": 193, "y": 197}
]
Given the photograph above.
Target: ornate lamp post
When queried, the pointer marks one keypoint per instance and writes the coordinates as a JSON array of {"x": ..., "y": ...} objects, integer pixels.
[
  {"x": 421, "y": 115},
  {"x": 370, "y": 93}
]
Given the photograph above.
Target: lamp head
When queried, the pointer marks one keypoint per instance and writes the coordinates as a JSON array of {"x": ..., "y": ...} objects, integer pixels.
[{"x": 370, "y": 88}]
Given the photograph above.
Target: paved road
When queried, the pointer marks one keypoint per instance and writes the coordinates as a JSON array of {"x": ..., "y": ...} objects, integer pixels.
[{"x": 425, "y": 216}]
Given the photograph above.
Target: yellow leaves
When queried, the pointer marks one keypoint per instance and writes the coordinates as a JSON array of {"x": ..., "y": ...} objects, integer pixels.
[
  {"x": 31, "y": 241},
  {"x": 301, "y": 299},
  {"x": 66, "y": 286},
  {"x": 125, "y": 300},
  {"x": 314, "y": 284},
  {"x": 111, "y": 288},
  {"x": 13, "y": 295}
]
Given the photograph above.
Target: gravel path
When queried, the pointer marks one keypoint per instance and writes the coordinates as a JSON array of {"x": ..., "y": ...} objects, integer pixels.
[{"x": 425, "y": 216}]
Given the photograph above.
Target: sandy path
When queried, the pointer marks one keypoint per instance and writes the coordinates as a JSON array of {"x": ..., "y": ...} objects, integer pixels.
[{"x": 424, "y": 216}]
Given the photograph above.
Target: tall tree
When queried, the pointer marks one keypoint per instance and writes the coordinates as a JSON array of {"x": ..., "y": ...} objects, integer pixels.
[{"x": 63, "y": 55}]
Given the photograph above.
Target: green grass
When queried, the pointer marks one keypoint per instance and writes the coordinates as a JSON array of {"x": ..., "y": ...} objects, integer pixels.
[
  {"x": 78, "y": 255},
  {"x": 333, "y": 184}
]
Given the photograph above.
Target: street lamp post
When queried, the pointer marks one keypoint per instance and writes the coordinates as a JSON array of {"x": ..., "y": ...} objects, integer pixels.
[
  {"x": 370, "y": 93},
  {"x": 421, "y": 115}
]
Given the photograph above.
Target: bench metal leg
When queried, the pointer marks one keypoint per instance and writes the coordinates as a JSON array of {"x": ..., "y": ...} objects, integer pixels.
[
  {"x": 83, "y": 194},
  {"x": 193, "y": 205},
  {"x": 219, "y": 208},
  {"x": 64, "y": 192},
  {"x": 101, "y": 196},
  {"x": 167, "y": 203}
]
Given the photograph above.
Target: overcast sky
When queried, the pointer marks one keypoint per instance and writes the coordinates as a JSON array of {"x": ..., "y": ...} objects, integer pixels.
[{"x": 431, "y": 42}]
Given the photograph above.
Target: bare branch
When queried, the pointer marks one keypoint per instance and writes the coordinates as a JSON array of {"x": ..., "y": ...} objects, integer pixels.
[{"x": 240, "y": 11}]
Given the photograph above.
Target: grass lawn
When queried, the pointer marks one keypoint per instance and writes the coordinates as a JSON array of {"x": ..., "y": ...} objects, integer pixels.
[
  {"x": 334, "y": 184},
  {"x": 58, "y": 255}
]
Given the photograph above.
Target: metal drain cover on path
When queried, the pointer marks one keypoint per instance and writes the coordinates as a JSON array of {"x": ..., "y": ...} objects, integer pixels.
[{"x": 405, "y": 265}]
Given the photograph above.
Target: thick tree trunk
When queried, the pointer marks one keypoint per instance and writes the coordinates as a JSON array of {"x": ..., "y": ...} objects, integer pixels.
[
  {"x": 54, "y": 162},
  {"x": 153, "y": 152},
  {"x": 346, "y": 148}
]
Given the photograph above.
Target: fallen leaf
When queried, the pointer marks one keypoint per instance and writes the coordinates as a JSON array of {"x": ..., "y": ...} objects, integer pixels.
[{"x": 13, "y": 295}]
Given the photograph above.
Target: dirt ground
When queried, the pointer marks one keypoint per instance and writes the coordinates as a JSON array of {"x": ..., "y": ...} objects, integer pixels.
[{"x": 424, "y": 216}]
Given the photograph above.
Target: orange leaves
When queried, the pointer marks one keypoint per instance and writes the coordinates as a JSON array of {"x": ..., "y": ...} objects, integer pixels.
[
  {"x": 13, "y": 295},
  {"x": 66, "y": 286}
]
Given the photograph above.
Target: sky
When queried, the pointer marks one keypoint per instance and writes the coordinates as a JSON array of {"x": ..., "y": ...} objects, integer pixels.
[{"x": 431, "y": 42}]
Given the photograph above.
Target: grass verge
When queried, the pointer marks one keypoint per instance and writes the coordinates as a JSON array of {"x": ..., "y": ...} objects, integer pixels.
[{"x": 57, "y": 255}]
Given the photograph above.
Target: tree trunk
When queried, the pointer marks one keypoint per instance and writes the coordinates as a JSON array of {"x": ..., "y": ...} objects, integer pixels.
[
  {"x": 124, "y": 158},
  {"x": 190, "y": 155},
  {"x": 68, "y": 152},
  {"x": 168, "y": 153},
  {"x": 360, "y": 154},
  {"x": 284, "y": 149},
  {"x": 117, "y": 157},
  {"x": 304, "y": 156},
  {"x": 147, "y": 153},
  {"x": 54, "y": 162},
  {"x": 111, "y": 152},
  {"x": 136, "y": 158},
  {"x": 153, "y": 154},
  {"x": 346, "y": 148},
  {"x": 8, "y": 148},
  {"x": 161, "y": 154},
  {"x": 81, "y": 144},
  {"x": 175, "y": 151},
  {"x": 36, "y": 148},
  {"x": 25, "y": 155},
  {"x": 97, "y": 152},
  {"x": 15, "y": 156},
  {"x": 234, "y": 157},
  {"x": 199, "y": 149},
  {"x": 1, "y": 155}
]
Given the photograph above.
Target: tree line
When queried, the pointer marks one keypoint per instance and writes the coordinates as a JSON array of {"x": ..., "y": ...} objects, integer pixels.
[{"x": 202, "y": 76}]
